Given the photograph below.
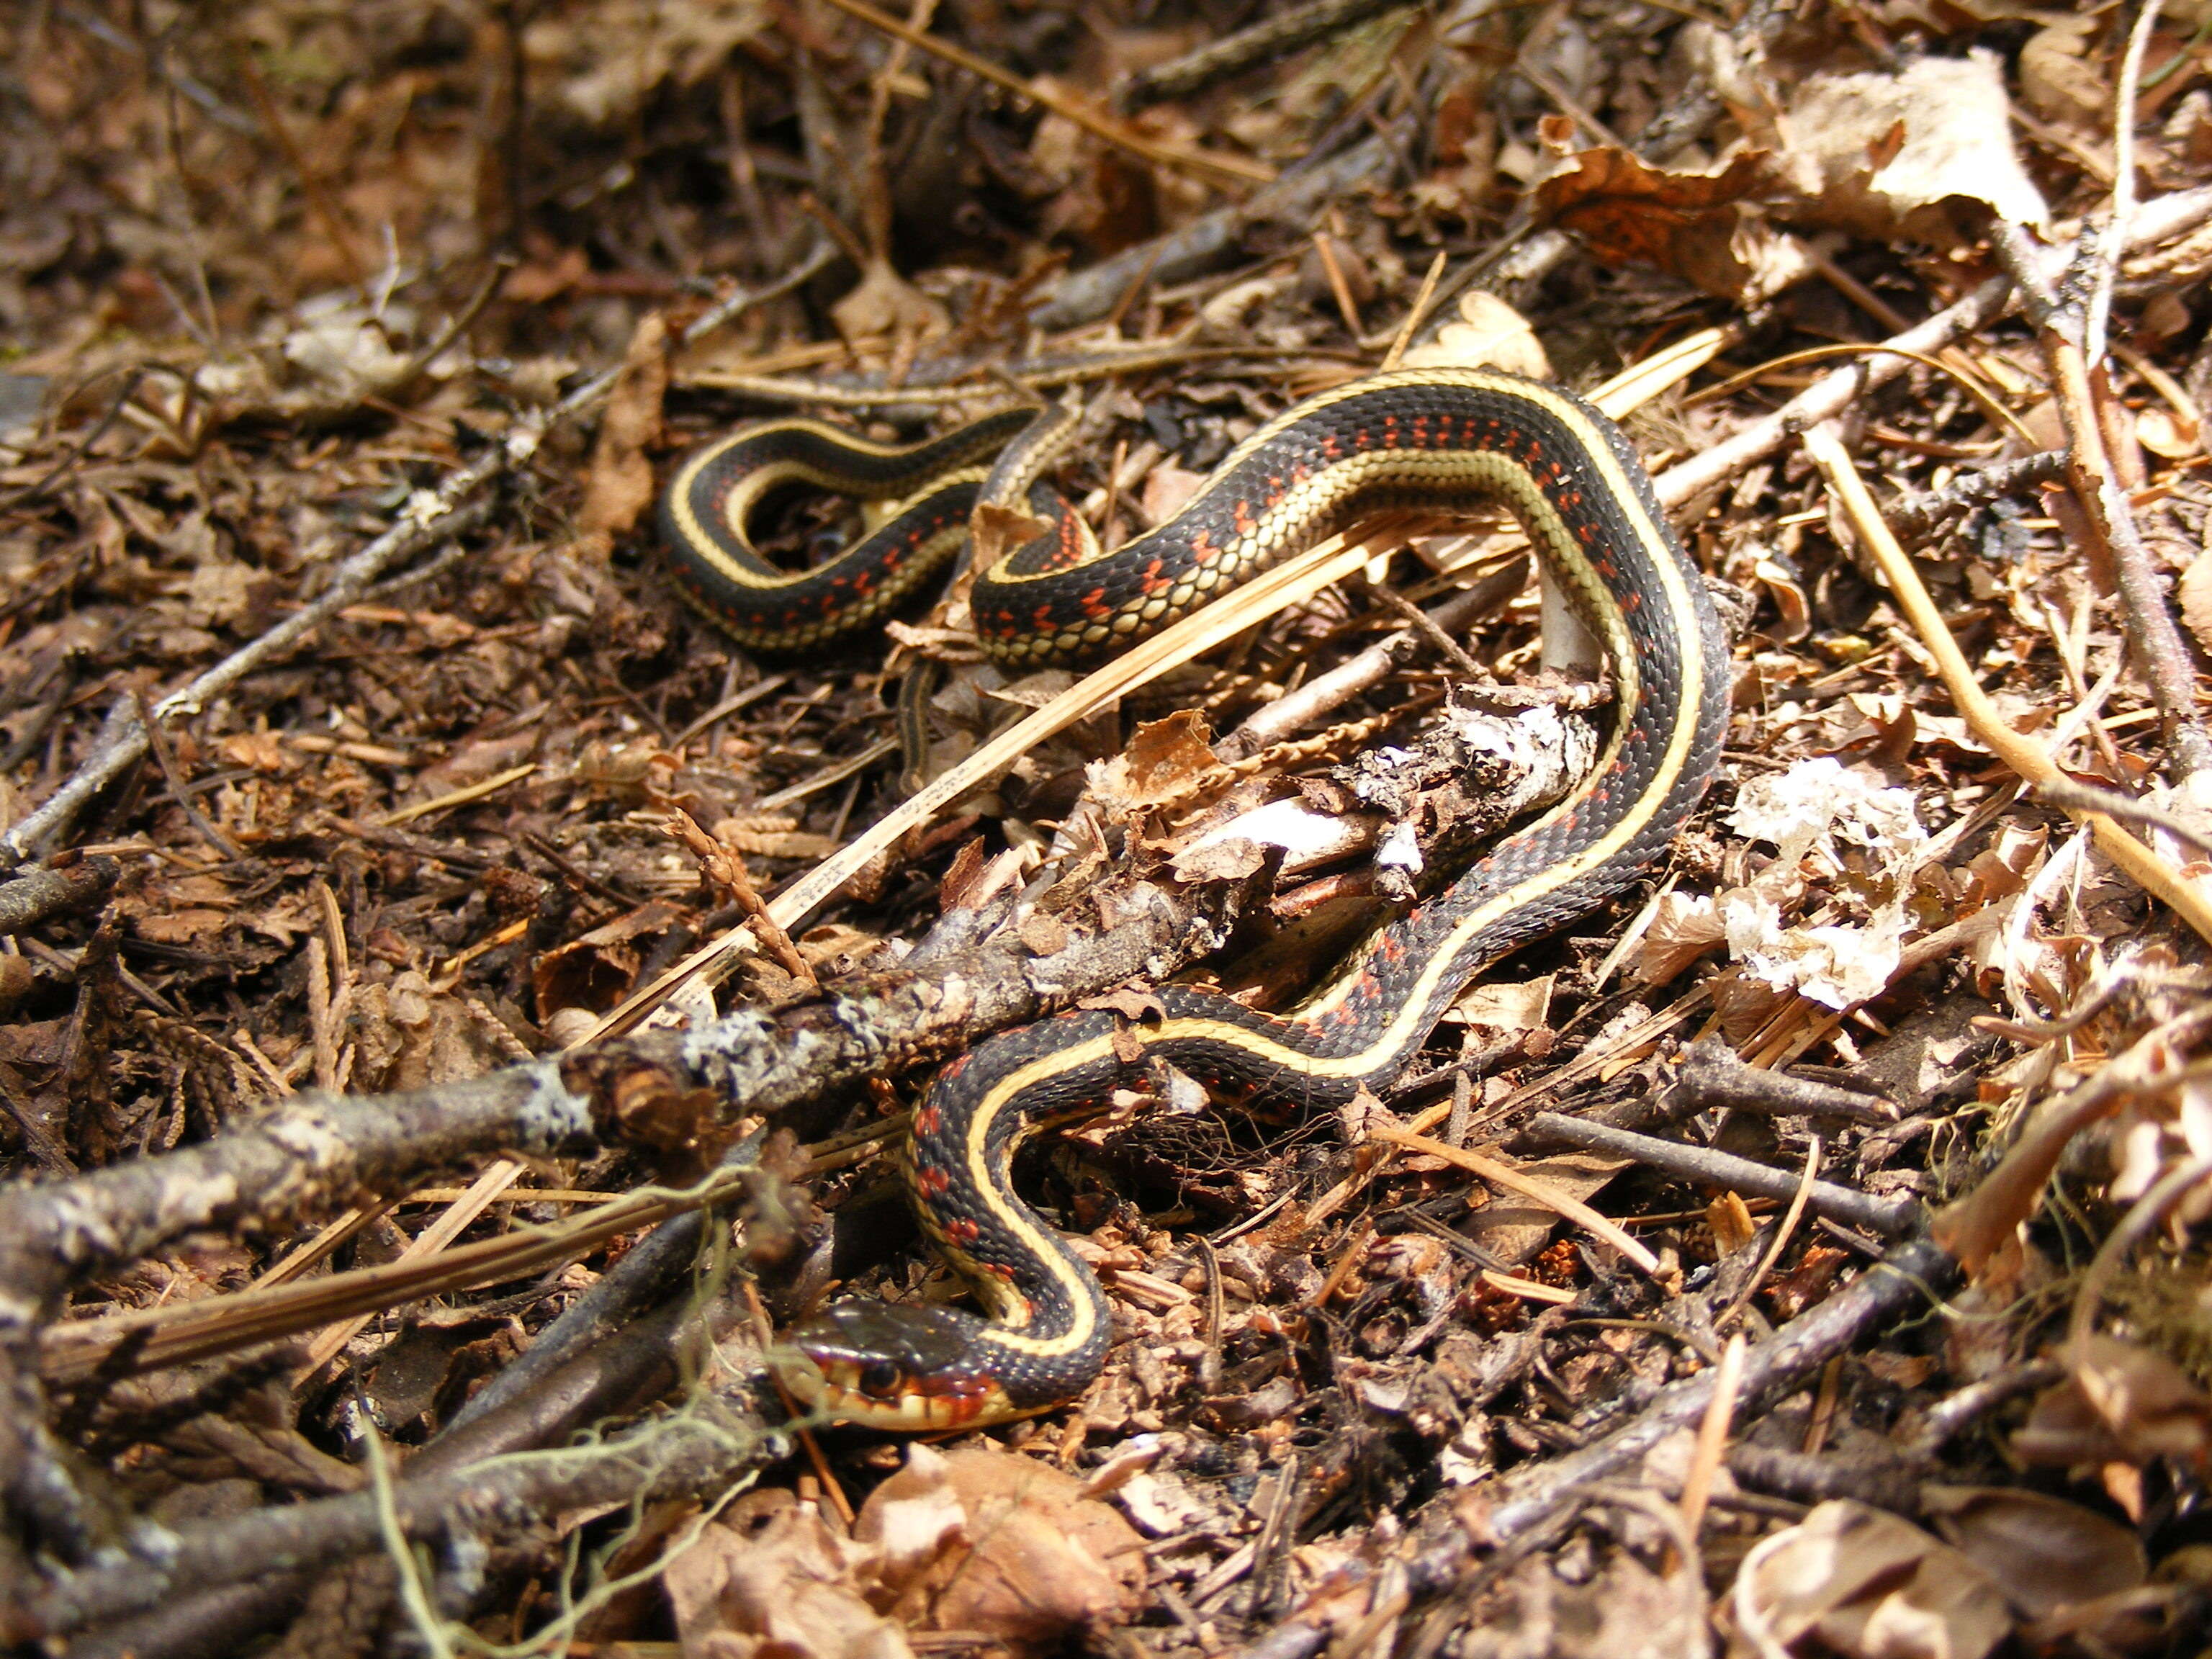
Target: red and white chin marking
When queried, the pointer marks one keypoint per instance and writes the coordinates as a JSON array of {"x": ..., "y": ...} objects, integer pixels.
[{"x": 932, "y": 1407}]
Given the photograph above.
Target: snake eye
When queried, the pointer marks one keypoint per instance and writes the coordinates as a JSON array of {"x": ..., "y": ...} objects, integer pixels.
[{"x": 878, "y": 1377}]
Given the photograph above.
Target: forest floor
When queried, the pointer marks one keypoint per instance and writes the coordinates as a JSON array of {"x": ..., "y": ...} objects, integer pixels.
[{"x": 458, "y": 1006}]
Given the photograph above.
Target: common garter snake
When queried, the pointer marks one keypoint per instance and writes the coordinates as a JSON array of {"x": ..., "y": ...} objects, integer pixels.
[{"x": 1429, "y": 438}]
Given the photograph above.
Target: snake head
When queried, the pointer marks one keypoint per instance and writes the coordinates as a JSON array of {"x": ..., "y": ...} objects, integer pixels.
[{"x": 905, "y": 1367}]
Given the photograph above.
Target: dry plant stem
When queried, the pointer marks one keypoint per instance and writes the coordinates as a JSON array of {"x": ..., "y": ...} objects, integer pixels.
[
  {"x": 1712, "y": 1076},
  {"x": 1889, "y": 1218},
  {"x": 1322, "y": 696},
  {"x": 2187, "y": 897},
  {"x": 1712, "y": 1436},
  {"x": 2107, "y": 512},
  {"x": 1833, "y": 393},
  {"x": 612, "y": 1349},
  {"x": 1909, "y": 1276},
  {"x": 1211, "y": 239},
  {"x": 2070, "y": 796},
  {"x": 1921, "y": 512},
  {"x": 2098, "y": 313},
  {"x": 316, "y": 1153},
  {"x": 444, "y": 513},
  {"x": 1974, "y": 1226},
  {"x": 1502, "y": 1175},
  {"x": 1291, "y": 582}
]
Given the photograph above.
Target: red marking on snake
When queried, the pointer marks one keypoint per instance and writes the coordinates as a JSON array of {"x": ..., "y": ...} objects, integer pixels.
[
  {"x": 930, "y": 1118},
  {"x": 1094, "y": 603},
  {"x": 962, "y": 1232},
  {"x": 932, "y": 1181}
]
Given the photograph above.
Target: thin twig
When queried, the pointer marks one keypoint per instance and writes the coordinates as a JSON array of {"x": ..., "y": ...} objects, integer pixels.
[
  {"x": 1833, "y": 392},
  {"x": 1273, "y": 36},
  {"x": 2185, "y": 897},
  {"x": 166, "y": 759},
  {"x": 2070, "y": 796},
  {"x": 1207, "y": 164},
  {"x": 1888, "y": 1216},
  {"x": 2107, "y": 515},
  {"x": 2114, "y": 233}
]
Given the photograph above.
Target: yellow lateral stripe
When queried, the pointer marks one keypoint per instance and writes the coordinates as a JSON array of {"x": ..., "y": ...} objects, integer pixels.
[{"x": 1565, "y": 554}]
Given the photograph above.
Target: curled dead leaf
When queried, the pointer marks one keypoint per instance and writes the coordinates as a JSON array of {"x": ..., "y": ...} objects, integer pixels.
[
  {"x": 770, "y": 1576},
  {"x": 1000, "y": 1544},
  {"x": 1684, "y": 927},
  {"x": 2043, "y": 1552},
  {"x": 1488, "y": 333},
  {"x": 1701, "y": 227},
  {"x": 1864, "y": 1584},
  {"x": 1165, "y": 760},
  {"x": 2124, "y": 1403},
  {"x": 1925, "y": 152}
]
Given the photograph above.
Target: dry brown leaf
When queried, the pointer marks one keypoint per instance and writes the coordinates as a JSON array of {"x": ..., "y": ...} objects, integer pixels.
[
  {"x": 1507, "y": 1009},
  {"x": 771, "y": 1578},
  {"x": 2125, "y": 1403},
  {"x": 883, "y": 304},
  {"x": 1865, "y": 1585},
  {"x": 1896, "y": 154},
  {"x": 2057, "y": 79},
  {"x": 2196, "y": 593},
  {"x": 1164, "y": 761},
  {"x": 1514, "y": 1230},
  {"x": 2043, "y": 1552},
  {"x": 1975, "y": 1226},
  {"x": 1684, "y": 927},
  {"x": 602, "y": 63},
  {"x": 1000, "y": 1544},
  {"x": 596, "y": 970},
  {"x": 1699, "y": 226},
  {"x": 619, "y": 486},
  {"x": 2146, "y": 1399},
  {"x": 1488, "y": 333},
  {"x": 994, "y": 531}
]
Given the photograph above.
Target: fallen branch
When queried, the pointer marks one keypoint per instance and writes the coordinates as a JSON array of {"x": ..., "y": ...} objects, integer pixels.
[
  {"x": 1910, "y": 1276},
  {"x": 704, "y": 1450}
]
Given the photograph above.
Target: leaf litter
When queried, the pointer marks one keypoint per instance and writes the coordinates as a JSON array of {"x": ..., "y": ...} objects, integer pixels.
[{"x": 273, "y": 282}]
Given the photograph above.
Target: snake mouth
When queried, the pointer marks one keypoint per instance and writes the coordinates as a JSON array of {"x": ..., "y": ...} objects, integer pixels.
[{"x": 902, "y": 1369}]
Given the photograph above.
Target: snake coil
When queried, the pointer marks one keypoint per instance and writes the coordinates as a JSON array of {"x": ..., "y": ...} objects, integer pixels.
[{"x": 1435, "y": 439}]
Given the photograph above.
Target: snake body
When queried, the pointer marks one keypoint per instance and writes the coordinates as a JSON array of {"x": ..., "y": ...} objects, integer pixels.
[{"x": 1435, "y": 439}]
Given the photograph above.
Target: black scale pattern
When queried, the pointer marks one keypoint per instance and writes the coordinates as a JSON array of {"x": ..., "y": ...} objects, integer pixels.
[{"x": 783, "y": 611}]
